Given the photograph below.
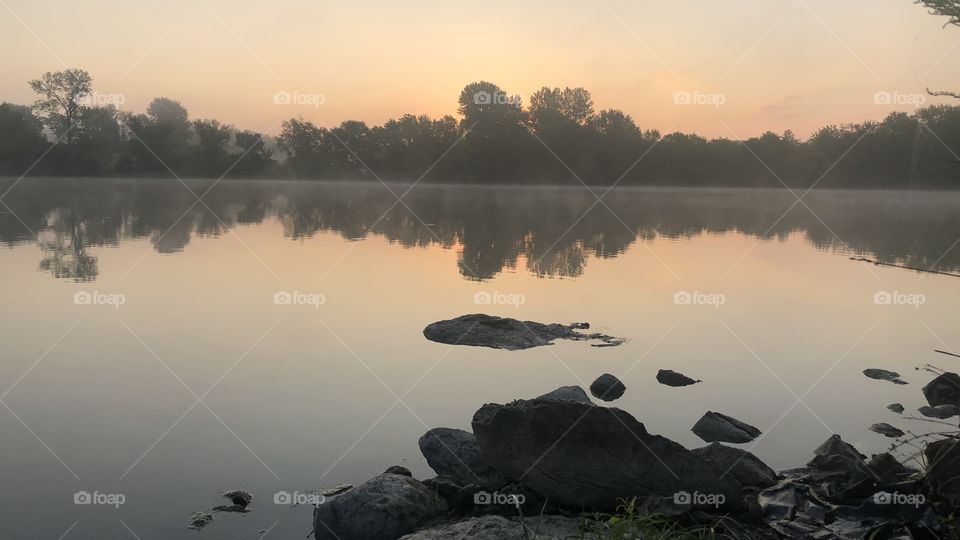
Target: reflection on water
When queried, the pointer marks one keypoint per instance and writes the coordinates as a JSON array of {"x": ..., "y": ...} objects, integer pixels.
[{"x": 554, "y": 232}]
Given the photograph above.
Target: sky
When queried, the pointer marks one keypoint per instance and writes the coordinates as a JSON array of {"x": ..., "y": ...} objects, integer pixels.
[{"x": 721, "y": 68}]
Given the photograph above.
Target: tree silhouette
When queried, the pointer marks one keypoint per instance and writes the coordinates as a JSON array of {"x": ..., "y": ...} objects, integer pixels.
[{"x": 59, "y": 101}]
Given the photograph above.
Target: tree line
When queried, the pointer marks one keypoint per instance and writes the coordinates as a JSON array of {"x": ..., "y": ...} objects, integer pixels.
[{"x": 558, "y": 138}]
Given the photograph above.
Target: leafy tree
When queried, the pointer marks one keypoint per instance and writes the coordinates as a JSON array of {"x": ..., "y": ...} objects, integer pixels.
[
  {"x": 255, "y": 157},
  {"x": 21, "y": 138},
  {"x": 211, "y": 151},
  {"x": 59, "y": 100}
]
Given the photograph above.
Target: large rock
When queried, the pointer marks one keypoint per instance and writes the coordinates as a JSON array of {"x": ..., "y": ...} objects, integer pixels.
[
  {"x": 455, "y": 453},
  {"x": 943, "y": 390},
  {"x": 672, "y": 378},
  {"x": 943, "y": 469},
  {"x": 607, "y": 387},
  {"x": 498, "y": 527},
  {"x": 583, "y": 456},
  {"x": 385, "y": 507},
  {"x": 743, "y": 466},
  {"x": 482, "y": 330},
  {"x": 716, "y": 427},
  {"x": 568, "y": 393}
]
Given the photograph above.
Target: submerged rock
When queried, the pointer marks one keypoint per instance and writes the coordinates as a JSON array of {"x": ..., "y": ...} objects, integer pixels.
[
  {"x": 388, "y": 506},
  {"x": 896, "y": 407},
  {"x": 886, "y": 430},
  {"x": 493, "y": 527},
  {"x": 582, "y": 456},
  {"x": 716, "y": 427},
  {"x": 199, "y": 520},
  {"x": 884, "y": 375},
  {"x": 943, "y": 390},
  {"x": 672, "y": 378},
  {"x": 455, "y": 453},
  {"x": 568, "y": 393},
  {"x": 607, "y": 387},
  {"x": 743, "y": 466},
  {"x": 481, "y": 330},
  {"x": 239, "y": 497}
]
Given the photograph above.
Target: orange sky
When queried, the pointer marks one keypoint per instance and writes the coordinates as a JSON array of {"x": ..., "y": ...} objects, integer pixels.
[{"x": 793, "y": 64}]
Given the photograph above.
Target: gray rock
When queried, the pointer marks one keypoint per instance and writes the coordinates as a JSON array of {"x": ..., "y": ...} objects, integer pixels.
[
  {"x": 443, "y": 486},
  {"x": 481, "y": 330},
  {"x": 607, "y": 387},
  {"x": 330, "y": 492},
  {"x": 455, "y": 453},
  {"x": 582, "y": 456},
  {"x": 886, "y": 430},
  {"x": 835, "y": 454},
  {"x": 567, "y": 393},
  {"x": 943, "y": 471},
  {"x": 398, "y": 469},
  {"x": 716, "y": 427},
  {"x": 940, "y": 411},
  {"x": 888, "y": 469},
  {"x": 943, "y": 390},
  {"x": 386, "y": 507},
  {"x": 744, "y": 467},
  {"x": 494, "y": 527},
  {"x": 239, "y": 497},
  {"x": 672, "y": 378},
  {"x": 884, "y": 375},
  {"x": 896, "y": 407}
]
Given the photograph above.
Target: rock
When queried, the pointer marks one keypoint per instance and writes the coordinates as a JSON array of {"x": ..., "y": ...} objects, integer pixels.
[
  {"x": 455, "y": 453},
  {"x": 672, "y": 378},
  {"x": 481, "y": 330},
  {"x": 886, "y": 430},
  {"x": 199, "y": 520},
  {"x": 940, "y": 411},
  {"x": 336, "y": 490},
  {"x": 744, "y": 467},
  {"x": 443, "y": 486},
  {"x": 943, "y": 390},
  {"x": 397, "y": 469},
  {"x": 607, "y": 387},
  {"x": 239, "y": 497},
  {"x": 943, "y": 469},
  {"x": 582, "y": 456},
  {"x": 838, "y": 472},
  {"x": 835, "y": 454},
  {"x": 889, "y": 471},
  {"x": 896, "y": 407},
  {"x": 492, "y": 527},
  {"x": 884, "y": 375},
  {"x": 568, "y": 393},
  {"x": 716, "y": 427},
  {"x": 388, "y": 506}
]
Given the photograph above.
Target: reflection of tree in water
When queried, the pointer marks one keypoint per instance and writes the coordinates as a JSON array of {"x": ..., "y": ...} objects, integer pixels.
[{"x": 556, "y": 231}]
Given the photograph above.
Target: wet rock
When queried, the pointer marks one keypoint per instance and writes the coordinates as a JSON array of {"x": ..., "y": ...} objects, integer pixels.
[
  {"x": 199, "y": 520},
  {"x": 481, "y": 330},
  {"x": 716, "y": 427},
  {"x": 388, "y": 506},
  {"x": 582, "y": 456},
  {"x": 239, "y": 497},
  {"x": 839, "y": 473},
  {"x": 896, "y": 407},
  {"x": 443, "y": 486},
  {"x": 941, "y": 412},
  {"x": 888, "y": 469},
  {"x": 672, "y": 378},
  {"x": 943, "y": 390},
  {"x": 493, "y": 527},
  {"x": 456, "y": 454},
  {"x": 886, "y": 430},
  {"x": 607, "y": 387},
  {"x": 943, "y": 469},
  {"x": 835, "y": 454},
  {"x": 884, "y": 375},
  {"x": 568, "y": 393},
  {"x": 744, "y": 467},
  {"x": 330, "y": 492},
  {"x": 398, "y": 469}
]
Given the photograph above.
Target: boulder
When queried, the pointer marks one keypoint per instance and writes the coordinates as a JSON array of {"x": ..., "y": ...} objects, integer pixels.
[
  {"x": 387, "y": 506},
  {"x": 888, "y": 469},
  {"x": 492, "y": 527},
  {"x": 607, "y": 387},
  {"x": 481, "y": 330},
  {"x": 744, "y": 467},
  {"x": 943, "y": 390},
  {"x": 443, "y": 486},
  {"x": 397, "y": 469},
  {"x": 582, "y": 456},
  {"x": 716, "y": 427},
  {"x": 568, "y": 393},
  {"x": 943, "y": 469},
  {"x": 456, "y": 454},
  {"x": 835, "y": 454},
  {"x": 672, "y": 378}
]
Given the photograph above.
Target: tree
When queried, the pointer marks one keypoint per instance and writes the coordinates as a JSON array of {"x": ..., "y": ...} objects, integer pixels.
[
  {"x": 255, "y": 156},
  {"x": 211, "y": 151},
  {"x": 59, "y": 100},
  {"x": 21, "y": 138},
  {"x": 302, "y": 142},
  {"x": 571, "y": 104}
]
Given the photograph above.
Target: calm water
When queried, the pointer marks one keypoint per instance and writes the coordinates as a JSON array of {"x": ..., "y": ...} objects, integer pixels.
[{"x": 199, "y": 382}]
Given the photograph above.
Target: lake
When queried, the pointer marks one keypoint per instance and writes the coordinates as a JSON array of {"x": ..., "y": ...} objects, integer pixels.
[{"x": 269, "y": 336}]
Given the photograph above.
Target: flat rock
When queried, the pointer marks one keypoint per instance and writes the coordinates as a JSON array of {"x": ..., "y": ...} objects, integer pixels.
[
  {"x": 884, "y": 375},
  {"x": 481, "y": 330},
  {"x": 607, "y": 387},
  {"x": 716, "y": 427},
  {"x": 387, "y": 506},
  {"x": 896, "y": 407},
  {"x": 943, "y": 390},
  {"x": 582, "y": 456},
  {"x": 494, "y": 527},
  {"x": 674, "y": 379},
  {"x": 744, "y": 467},
  {"x": 886, "y": 430},
  {"x": 941, "y": 412},
  {"x": 455, "y": 453},
  {"x": 567, "y": 393}
]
